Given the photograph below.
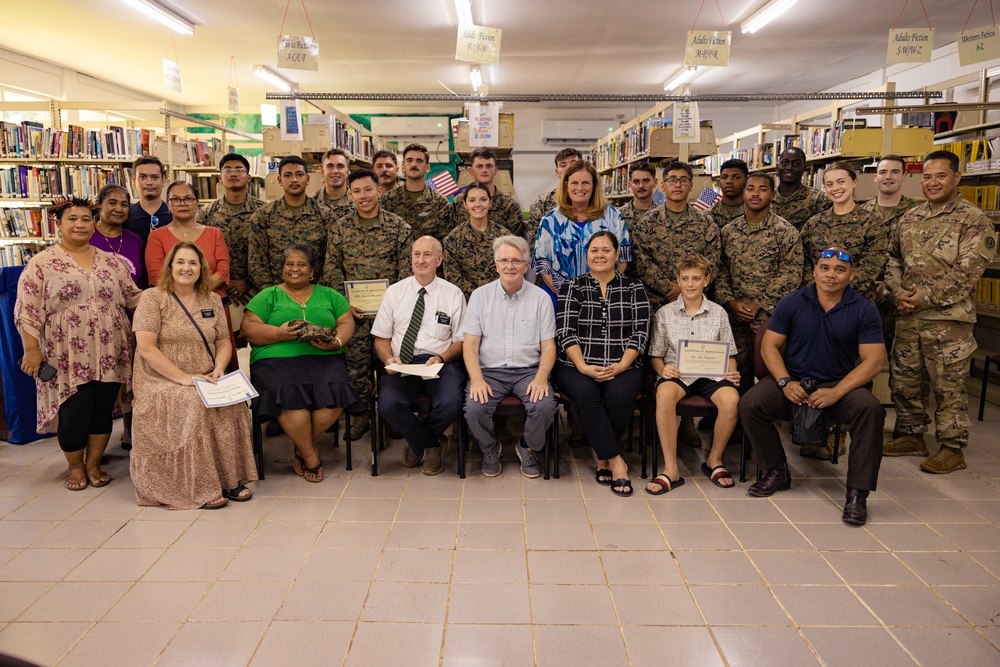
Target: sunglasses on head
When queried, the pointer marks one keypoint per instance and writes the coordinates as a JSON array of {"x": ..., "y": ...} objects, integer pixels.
[{"x": 839, "y": 254}]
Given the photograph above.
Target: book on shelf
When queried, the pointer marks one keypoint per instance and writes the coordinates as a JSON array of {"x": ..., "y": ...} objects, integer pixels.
[
  {"x": 44, "y": 181},
  {"x": 28, "y": 140},
  {"x": 984, "y": 197},
  {"x": 987, "y": 295},
  {"x": 26, "y": 222},
  {"x": 16, "y": 255}
]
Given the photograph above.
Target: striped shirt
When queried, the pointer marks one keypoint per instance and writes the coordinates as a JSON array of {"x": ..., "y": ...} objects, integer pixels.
[
  {"x": 603, "y": 327},
  {"x": 672, "y": 324}
]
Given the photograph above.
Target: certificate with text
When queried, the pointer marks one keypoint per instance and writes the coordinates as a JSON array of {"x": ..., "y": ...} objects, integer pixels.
[
  {"x": 230, "y": 389},
  {"x": 365, "y": 295},
  {"x": 703, "y": 358}
]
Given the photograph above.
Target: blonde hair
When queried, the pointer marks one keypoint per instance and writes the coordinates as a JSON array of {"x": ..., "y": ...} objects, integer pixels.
[
  {"x": 165, "y": 282},
  {"x": 695, "y": 261},
  {"x": 598, "y": 203}
]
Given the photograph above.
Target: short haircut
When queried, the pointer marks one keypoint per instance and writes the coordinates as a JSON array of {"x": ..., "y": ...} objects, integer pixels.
[
  {"x": 304, "y": 249},
  {"x": 417, "y": 147},
  {"x": 568, "y": 153},
  {"x": 694, "y": 261},
  {"x": 166, "y": 280},
  {"x": 62, "y": 204},
  {"x": 234, "y": 157},
  {"x": 149, "y": 159},
  {"x": 603, "y": 234},
  {"x": 794, "y": 149},
  {"x": 384, "y": 153},
  {"x": 598, "y": 203},
  {"x": 484, "y": 153},
  {"x": 108, "y": 189},
  {"x": 843, "y": 166},
  {"x": 358, "y": 174},
  {"x": 677, "y": 164},
  {"x": 944, "y": 155},
  {"x": 642, "y": 166},
  {"x": 511, "y": 241},
  {"x": 735, "y": 164},
  {"x": 177, "y": 184},
  {"x": 337, "y": 151},
  {"x": 762, "y": 174},
  {"x": 437, "y": 244},
  {"x": 894, "y": 158},
  {"x": 476, "y": 185},
  {"x": 293, "y": 160}
]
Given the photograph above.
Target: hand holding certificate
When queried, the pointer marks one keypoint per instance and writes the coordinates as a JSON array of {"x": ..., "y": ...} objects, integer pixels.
[
  {"x": 365, "y": 295},
  {"x": 420, "y": 370},
  {"x": 229, "y": 389},
  {"x": 703, "y": 358}
]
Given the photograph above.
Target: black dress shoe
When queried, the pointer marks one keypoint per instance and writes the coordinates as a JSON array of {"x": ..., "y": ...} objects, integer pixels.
[
  {"x": 856, "y": 508},
  {"x": 774, "y": 480}
]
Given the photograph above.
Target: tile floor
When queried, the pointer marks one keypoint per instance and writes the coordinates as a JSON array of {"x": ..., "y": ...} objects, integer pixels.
[{"x": 363, "y": 571}]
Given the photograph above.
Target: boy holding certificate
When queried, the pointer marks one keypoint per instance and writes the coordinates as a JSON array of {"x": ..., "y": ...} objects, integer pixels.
[{"x": 693, "y": 352}]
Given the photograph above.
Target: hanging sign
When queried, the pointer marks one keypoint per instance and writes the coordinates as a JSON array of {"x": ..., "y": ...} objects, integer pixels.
[
  {"x": 707, "y": 47},
  {"x": 171, "y": 75},
  {"x": 910, "y": 45},
  {"x": 484, "y": 125},
  {"x": 291, "y": 121},
  {"x": 234, "y": 99},
  {"x": 978, "y": 44},
  {"x": 478, "y": 44},
  {"x": 687, "y": 129},
  {"x": 298, "y": 52}
]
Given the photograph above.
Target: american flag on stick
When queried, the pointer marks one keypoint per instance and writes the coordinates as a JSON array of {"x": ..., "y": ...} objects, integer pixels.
[
  {"x": 706, "y": 199},
  {"x": 443, "y": 183}
]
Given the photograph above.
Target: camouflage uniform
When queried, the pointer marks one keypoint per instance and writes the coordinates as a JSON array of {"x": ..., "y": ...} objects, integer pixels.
[
  {"x": 658, "y": 244},
  {"x": 468, "y": 256},
  {"x": 759, "y": 263},
  {"x": 942, "y": 254},
  {"x": 722, "y": 215},
  {"x": 542, "y": 205},
  {"x": 273, "y": 227},
  {"x": 504, "y": 211},
  {"x": 860, "y": 233},
  {"x": 338, "y": 207},
  {"x": 355, "y": 252},
  {"x": 234, "y": 226},
  {"x": 631, "y": 214},
  {"x": 429, "y": 215},
  {"x": 799, "y": 206}
]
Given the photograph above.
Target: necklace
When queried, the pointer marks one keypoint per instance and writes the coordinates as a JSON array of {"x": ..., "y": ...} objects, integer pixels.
[
  {"x": 296, "y": 299},
  {"x": 107, "y": 240},
  {"x": 185, "y": 232}
]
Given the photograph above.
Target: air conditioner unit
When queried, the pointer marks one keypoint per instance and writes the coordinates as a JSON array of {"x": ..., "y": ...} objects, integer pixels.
[
  {"x": 414, "y": 127},
  {"x": 576, "y": 131}
]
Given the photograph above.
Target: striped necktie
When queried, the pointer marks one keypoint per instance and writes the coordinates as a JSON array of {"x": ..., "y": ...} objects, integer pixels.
[{"x": 406, "y": 349}]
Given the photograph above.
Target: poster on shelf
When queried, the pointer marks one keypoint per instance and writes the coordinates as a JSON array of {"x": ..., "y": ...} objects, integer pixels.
[
  {"x": 171, "y": 75},
  {"x": 484, "y": 125},
  {"x": 234, "y": 99},
  {"x": 298, "y": 52},
  {"x": 978, "y": 45},
  {"x": 478, "y": 44},
  {"x": 687, "y": 129},
  {"x": 291, "y": 121},
  {"x": 707, "y": 48},
  {"x": 910, "y": 45}
]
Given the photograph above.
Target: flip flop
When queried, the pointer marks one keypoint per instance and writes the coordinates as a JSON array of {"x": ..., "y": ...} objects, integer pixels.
[
  {"x": 665, "y": 483},
  {"x": 97, "y": 482},
  {"x": 717, "y": 473},
  {"x": 300, "y": 471},
  {"x": 76, "y": 484},
  {"x": 621, "y": 487},
  {"x": 234, "y": 494},
  {"x": 605, "y": 474}
]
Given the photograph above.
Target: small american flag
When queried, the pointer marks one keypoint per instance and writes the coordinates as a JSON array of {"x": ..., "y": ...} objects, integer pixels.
[
  {"x": 443, "y": 183},
  {"x": 706, "y": 199}
]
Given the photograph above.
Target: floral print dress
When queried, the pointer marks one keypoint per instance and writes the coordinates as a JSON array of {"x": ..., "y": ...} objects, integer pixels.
[{"x": 79, "y": 319}]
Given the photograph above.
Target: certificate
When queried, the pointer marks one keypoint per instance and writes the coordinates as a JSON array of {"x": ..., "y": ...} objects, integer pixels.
[
  {"x": 229, "y": 389},
  {"x": 703, "y": 358},
  {"x": 366, "y": 294},
  {"x": 419, "y": 370}
]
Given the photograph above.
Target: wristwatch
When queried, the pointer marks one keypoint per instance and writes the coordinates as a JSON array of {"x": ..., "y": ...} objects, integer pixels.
[{"x": 783, "y": 381}]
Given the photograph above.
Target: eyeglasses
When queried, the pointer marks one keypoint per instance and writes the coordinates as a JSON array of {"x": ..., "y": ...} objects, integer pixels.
[
  {"x": 233, "y": 170},
  {"x": 183, "y": 200},
  {"x": 154, "y": 222},
  {"x": 839, "y": 254},
  {"x": 511, "y": 262},
  {"x": 683, "y": 180}
]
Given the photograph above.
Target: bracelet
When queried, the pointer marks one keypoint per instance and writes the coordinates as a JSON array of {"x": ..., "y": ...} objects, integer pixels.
[{"x": 340, "y": 346}]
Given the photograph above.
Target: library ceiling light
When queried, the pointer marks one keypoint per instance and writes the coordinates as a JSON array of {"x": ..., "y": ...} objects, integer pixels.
[
  {"x": 158, "y": 12},
  {"x": 477, "y": 77},
  {"x": 682, "y": 76},
  {"x": 765, "y": 15},
  {"x": 272, "y": 77},
  {"x": 463, "y": 9}
]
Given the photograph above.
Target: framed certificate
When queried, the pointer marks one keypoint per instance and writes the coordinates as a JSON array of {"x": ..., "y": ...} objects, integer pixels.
[
  {"x": 365, "y": 294},
  {"x": 703, "y": 358}
]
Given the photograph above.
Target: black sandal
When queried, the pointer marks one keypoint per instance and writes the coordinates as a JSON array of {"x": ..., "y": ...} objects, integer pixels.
[
  {"x": 603, "y": 477},
  {"x": 622, "y": 487},
  {"x": 300, "y": 471},
  {"x": 234, "y": 494}
]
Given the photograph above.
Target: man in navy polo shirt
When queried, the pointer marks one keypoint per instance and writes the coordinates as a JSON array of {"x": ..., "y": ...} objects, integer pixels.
[
  {"x": 823, "y": 328},
  {"x": 150, "y": 212}
]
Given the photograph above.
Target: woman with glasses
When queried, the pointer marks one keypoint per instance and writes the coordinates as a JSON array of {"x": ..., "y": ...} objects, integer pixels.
[{"x": 468, "y": 249}]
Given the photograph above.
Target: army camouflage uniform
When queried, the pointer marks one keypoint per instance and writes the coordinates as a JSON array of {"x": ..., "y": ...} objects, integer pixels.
[
  {"x": 658, "y": 244},
  {"x": 234, "y": 226},
  {"x": 539, "y": 208},
  {"x": 799, "y": 206},
  {"x": 504, "y": 211},
  {"x": 759, "y": 263},
  {"x": 860, "y": 233},
  {"x": 338, "y": 207},
  {"x": 273, "y": 227},
  {"x": 942, "y": 254},
  {"x": 631, "y": 214},
  {"x": 722, "y": 215},
  {"x": 429, "y": 215},
  {"x": 468, "y": 256},
  {"x": 356, "y": 253}
]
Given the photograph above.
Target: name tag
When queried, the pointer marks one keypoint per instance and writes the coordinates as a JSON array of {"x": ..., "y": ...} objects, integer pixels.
[
  {"x": 207, "y": 312},
  {"x": 442, "y": 318}
]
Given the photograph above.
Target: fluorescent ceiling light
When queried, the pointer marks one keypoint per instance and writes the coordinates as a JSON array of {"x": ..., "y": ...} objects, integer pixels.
[
  {"x": 463, "y": 8},
  {"x": 477, "y": 77},
  {"x": 272, "y": 78},
  {"x": 683, "y": 76},
  {"x": 765, "y": 15},
  {"x": 158, "y": 12}
]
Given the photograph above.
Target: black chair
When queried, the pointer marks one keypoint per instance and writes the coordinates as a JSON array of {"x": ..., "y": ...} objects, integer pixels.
[
  {"x": 511, "y": 406},
  {"x": 640, "y": 403},
  {"x": 994, "y": 359},
  {"x": 257, "y": 438}
]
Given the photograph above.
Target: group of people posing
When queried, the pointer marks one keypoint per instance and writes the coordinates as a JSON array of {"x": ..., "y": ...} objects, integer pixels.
[{"x": 834, "y": 280}]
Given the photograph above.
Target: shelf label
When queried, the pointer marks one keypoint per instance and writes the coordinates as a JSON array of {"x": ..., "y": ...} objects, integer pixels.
[
  {"x": 687, "y": 129},
  {"x": 910, "y": 45},
  {"x": 478, "y": 44},
  {"x": 978, "y": 44},
  {"x": 484, "y": 125},
  {"x": 171, "y": 75},
  {"x": 707, "y": 47},
  {"x": 234, "y": 99},
  {"x": 298, "y": 52},
  {"x": 291, "y": 121}
]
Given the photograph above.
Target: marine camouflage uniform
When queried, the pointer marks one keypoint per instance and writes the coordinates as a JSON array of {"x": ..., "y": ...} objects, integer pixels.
[
  {"x": 539, "y": 208},
  {"x": 468, "y": 256},
  {"x": 721, "y": 214},
  {"x": 631, "y": 214},
  {"x": 799, "y": 206},
  {"x": 429, "y": 215},
  {"x": 235, "y": 226},
  {"x": 860, "y": 233},
  {"x": 504, "y": 211},
  {"x": 273, "y": 227},
  {"x": 337, "y": 207}
]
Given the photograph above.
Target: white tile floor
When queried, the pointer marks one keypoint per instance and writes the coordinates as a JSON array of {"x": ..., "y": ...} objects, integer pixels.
[{"x": 370, "y": 571}]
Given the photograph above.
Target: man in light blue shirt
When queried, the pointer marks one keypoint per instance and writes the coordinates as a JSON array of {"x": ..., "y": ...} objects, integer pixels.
[{"x": 509, "y": 350}]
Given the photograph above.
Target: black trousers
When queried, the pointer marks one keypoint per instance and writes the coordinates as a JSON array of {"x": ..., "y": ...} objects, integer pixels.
[
  {"x": 86, "y": 413},
  {"x": 605, "y": 408}
]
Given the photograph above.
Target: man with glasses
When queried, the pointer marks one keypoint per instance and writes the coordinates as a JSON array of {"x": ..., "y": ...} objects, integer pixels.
[
  {"x": 509, "y": 350},
  {"x": 231, "y": 213},
  {"x": 150, "y": 211},
  {"x": 795, "y": 201},
  {"x": 818, "y": 332},
  {"x": 333, "y": 196}
]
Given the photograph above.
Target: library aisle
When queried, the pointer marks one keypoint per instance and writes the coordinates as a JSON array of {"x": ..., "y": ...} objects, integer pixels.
[{"x": 362, "y": 571}]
